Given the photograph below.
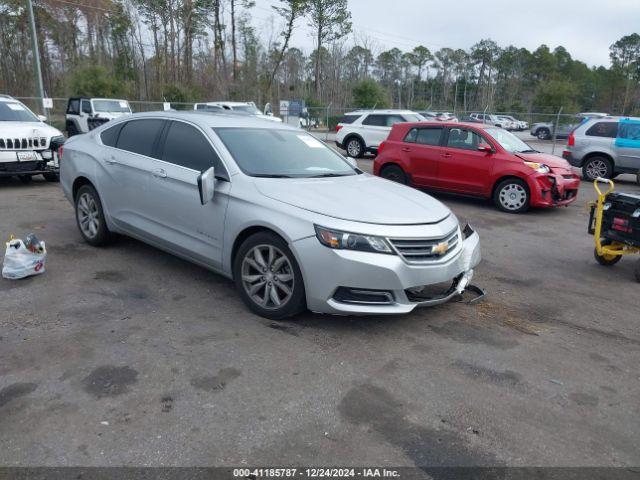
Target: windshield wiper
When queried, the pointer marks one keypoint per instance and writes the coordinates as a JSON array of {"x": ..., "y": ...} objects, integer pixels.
[
  {"x": 531, "y": 150},
  {"x": 325, "y": 175},
  {"x": 272, "y": 175}
]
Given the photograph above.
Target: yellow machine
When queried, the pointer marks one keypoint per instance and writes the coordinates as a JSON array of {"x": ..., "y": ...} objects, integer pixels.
[{"x": 613, "y": 223}]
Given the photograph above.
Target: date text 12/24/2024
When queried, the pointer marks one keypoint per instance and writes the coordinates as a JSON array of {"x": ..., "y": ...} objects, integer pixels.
[{"x": 319, "y": 472}]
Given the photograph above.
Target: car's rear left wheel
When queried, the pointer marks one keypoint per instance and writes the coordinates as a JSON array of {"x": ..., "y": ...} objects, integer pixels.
[
  {"x": 394, "y": 173},
  {"x": 544, "y": 134},
  {"x": 596, "y": 167},
  {"x": 90, "y": 217},
  {"x": 268, "y": 277}
]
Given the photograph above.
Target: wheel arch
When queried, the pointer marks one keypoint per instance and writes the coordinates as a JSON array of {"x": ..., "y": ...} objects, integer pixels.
[
  {"x": 350, "y": 136},
  {"x": 508, "y": 177},
  {"x": 80, "y": 182},
  {"x": 246, "y": 233}
]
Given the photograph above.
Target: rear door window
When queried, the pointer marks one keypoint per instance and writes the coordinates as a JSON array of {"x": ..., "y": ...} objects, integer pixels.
[
  {"x": 391, "y": 120},
  {"x": 375, "y": 120},
  {"x": 140, "y": 136},
  {"x": 603, "y": 129},
  {"x": 187, "y": 147},
  {"x": 109, "y": 136},
  {"x": 424, "y": 136}
]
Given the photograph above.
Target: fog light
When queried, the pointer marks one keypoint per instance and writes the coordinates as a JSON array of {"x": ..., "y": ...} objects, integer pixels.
[{"x": 46, "y": 154}]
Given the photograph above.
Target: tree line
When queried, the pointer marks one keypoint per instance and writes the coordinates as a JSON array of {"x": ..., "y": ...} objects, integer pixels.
[{"x": 190, "y": 50}]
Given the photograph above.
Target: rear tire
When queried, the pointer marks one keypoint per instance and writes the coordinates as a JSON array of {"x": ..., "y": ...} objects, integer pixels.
[
  {"x": 543, "y": 134},
  {"x": 268, "y": 278},
  {"x": 354, "y": 147},
  {"x": 394, "y": 173},
  {"x": 595, "y": 167},
  {"x": 512, "y": 196},
  {"x": 25, "y": 179},
  {"x": 90, "y": 217},
  {"x": 606, "y": 260}
]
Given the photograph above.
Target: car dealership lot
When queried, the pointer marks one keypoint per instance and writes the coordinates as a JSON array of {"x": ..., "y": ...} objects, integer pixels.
[{"x": 130, "y": 356}]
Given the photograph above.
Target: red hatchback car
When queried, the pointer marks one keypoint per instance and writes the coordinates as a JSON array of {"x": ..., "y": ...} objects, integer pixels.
[{"x": 476, "y": 159}]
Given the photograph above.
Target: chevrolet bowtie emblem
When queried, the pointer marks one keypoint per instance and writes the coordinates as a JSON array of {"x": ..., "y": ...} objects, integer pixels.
[{"x": 440, "y": 249}]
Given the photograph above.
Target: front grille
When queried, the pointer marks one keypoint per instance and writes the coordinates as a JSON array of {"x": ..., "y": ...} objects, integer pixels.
[
  {"x": 421, "y": 250},
  {"x": 23, "y": 143}
]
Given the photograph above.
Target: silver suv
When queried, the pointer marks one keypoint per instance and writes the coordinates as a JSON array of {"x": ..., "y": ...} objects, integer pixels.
[
  {"x": 605, "y": 147},
  {"x": 294, "y": 223}
]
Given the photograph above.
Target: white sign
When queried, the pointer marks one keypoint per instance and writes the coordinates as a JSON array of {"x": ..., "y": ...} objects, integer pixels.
[
  {"x": 166, "y": 106},
  {"x": 47, "y": 102},
  {"x": 284, "y": 107}
]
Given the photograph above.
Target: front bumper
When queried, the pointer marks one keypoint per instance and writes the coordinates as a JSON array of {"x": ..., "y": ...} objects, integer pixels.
[
  {"x": 10, "y": 165},
  {"x": 327, "y": 272},
  {"x": 553, "y": 189}
]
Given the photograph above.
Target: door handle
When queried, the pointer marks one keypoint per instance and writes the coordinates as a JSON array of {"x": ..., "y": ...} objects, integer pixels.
[
  {"x": 406, "y": 149},
  {"x": 111, "y": 160},
  {"x": 447, "y": 155},
  {"x": 159, "y": 172}
]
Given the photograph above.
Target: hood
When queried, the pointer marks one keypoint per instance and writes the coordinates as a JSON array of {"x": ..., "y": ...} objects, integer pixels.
[
  {"x": 270, "y": 117},
  {"x": 27, "y": 129},
  {"x": 360, "y": 198},
  {"x": 547, "y": 159}
]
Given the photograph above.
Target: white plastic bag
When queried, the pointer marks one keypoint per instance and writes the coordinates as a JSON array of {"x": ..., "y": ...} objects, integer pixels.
[{"x": 20, "y": 262}]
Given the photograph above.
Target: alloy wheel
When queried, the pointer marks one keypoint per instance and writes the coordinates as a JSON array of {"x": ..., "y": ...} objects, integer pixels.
[
  {"x": 353, "y": 148},
  {"x": 88, "y": 215},
  {"x": 267, "y": 276},
  {"x": 597, "y": 168},
  {"x": 513, "y": 196}
]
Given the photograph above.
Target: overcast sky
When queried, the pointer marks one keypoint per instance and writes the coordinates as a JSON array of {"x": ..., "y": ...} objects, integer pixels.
[{"x": 586, "y": 28}]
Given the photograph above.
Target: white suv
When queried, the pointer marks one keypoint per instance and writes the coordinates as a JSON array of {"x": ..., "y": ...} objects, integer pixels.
[
  {"x": 85, "y": 114},
  {"x": 28, "y": 146},
  {"x": 363, "y": 131},
  {"x": 491, "y": 120}
]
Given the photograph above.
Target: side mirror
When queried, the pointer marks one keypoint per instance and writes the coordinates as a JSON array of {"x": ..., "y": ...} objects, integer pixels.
[
  {"x": 206, "y": 186},
  {"x": 42, "y": 118},
  {"x": 483, "y": 147}
]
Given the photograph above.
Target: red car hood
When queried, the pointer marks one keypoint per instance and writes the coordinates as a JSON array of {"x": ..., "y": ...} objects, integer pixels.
[{"x": 551, "y": 160}]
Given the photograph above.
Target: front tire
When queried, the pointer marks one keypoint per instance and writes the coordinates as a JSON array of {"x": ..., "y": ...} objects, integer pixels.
[
  {"x": 25, "y": 179},
  {"x": 394, "y": 173},
  {"x": 51, "y": 177},
  {"x": 72, "y": 130},
  {"x": 354, "y": 147},
  {"x": 90, "y": 217},
  {"x": 268, "y": 277},
  {"x": 543, "y": 134},
  {"x": 597, "y": 167},
  {"x": 512, "y": 196}
]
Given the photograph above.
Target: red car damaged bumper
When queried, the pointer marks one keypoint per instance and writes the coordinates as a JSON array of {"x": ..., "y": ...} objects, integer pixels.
[{"x": 553, "y": 189}]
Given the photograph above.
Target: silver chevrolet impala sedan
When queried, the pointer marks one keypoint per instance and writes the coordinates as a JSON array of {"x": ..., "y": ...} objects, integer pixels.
[{"x": 292, "y": 222}]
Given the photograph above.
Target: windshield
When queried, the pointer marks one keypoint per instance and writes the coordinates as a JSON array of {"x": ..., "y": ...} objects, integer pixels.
[
  {"x": 247, "y": 108},
  {"x": 16, "y": 112},
  {"x": 261, "y": 152},
  {"x": 111, "y": 106},
  {"x": 509, "y": 141}
]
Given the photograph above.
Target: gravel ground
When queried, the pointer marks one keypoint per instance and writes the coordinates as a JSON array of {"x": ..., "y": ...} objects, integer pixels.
[{"x": 129, "y": 356}]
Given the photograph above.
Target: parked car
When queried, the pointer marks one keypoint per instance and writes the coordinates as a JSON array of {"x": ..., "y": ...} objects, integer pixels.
[
  {"x": 474, "y": 159},
  {"x": 28, "y": 146},
  {"x": 291, "y": 221},
  {"x": 545, "y": 130},
  {"x": 490, "y": 119},
  {"x": 446, "y": 117},
  {"x": 247, "y": 108},
  {"x": 601, "y": 148},
  {"x": 84, "y": 114},
  {"x": 515, "y": 124},
  {"x": 369, "y": 128}
]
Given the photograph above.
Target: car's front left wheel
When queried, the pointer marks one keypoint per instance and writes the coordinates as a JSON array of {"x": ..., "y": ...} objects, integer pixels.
[
  {"x": 354, "y": 147},
  {"x": 512, "y": 195},
  {"x": 268, "y": 277}
]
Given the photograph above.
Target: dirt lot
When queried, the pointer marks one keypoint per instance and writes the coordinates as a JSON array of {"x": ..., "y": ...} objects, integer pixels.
[{"x": 129, "y": 356}]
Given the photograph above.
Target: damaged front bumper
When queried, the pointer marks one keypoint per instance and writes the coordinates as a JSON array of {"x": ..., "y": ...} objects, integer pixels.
[
  {"x": 361, "y": 283},
  {"x": 28, "y": 162}
]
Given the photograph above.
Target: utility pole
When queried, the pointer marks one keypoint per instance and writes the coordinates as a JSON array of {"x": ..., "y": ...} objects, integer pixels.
[{"x": 36, "y": 57}]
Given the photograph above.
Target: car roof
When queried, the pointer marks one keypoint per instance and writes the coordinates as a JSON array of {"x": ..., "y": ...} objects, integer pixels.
[
  {"x": 446, "y": 124},
  {"x": 231, "y": 104},
  {"x": 213, "y": 120},
  {"x": 8, "y": 98}
]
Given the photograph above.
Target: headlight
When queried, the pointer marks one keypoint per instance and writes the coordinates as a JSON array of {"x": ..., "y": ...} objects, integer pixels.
[
  {"x": 352, "y": 241},
  {"x": 538, "y": 167}
]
